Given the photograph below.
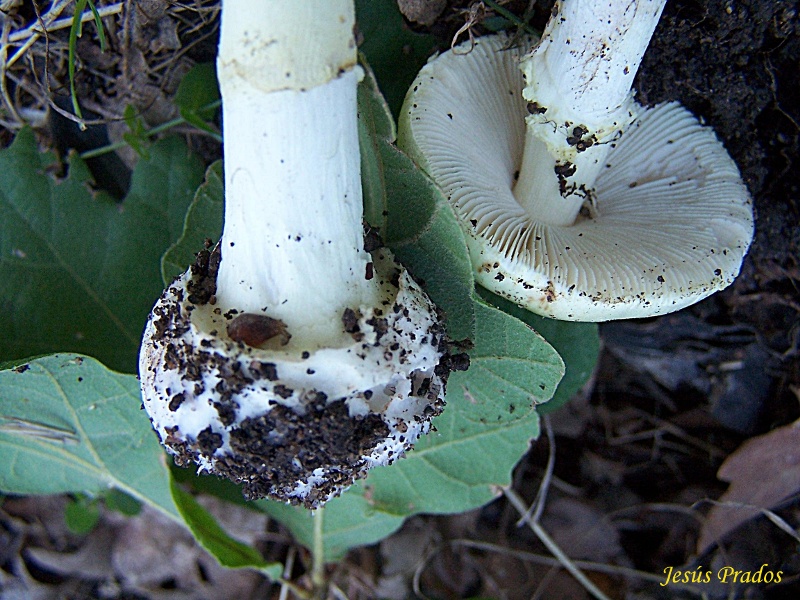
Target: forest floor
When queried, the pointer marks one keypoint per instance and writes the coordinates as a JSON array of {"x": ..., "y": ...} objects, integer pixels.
[{"x": 635, "y": 486}]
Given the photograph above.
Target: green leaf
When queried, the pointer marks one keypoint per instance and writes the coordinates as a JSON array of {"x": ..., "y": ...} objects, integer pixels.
[
  {"x": 198, "y": 89},
  {"x": 81, "y": 514},
  {"x": 136, "y": 136},
  {"x": 80, "y": 272},
  {"x": 198, "y": 96},
  {"x": 122, "y": 503},
  {"x": 376, "y": 130},
  {"x": 75, "y": 31},
  {"x": 350, "y": 520},
  {"x": 395, "y": 52},
  {"x": 413, "y": 217},
  {"x": 69, "y": 425},
  {"x": 577, "y": 343},
  {"x": 229, "y": 552},
  {"x": 436, "y": 260},
  {"x": 203, "y": 221},
  {"x": 98, "y": 22},
  {"x": 486, "y": 427}
]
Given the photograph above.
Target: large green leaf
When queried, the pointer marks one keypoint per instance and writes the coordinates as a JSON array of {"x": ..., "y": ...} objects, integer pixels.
[
  {"x": 203, "y": 222},
  {"x": 68, "y": 424},
  {"x": 577, "y": 343},
  {"x": 79, "y": 271},
  {"x": 413, "y": 217},
  {"x": 394, "y": 51},
  {"x": 486, "y": 427}
]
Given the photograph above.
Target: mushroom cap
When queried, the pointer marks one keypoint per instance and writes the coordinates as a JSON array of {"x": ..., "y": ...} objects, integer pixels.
[
  {"x": 670, "y": 220},
  {"x": 297, "y": 426}
]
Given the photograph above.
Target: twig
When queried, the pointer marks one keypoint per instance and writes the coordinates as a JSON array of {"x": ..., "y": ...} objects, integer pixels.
[
  {"x": 544, "y": 583},
  {"x": 3, "y": 87},
  {"x": 655, "y": 507},
  {"x": 665, "y": 427},
  {"x": 472, "y": 19},
  {"x": 186, "y": 48},
  {"x": 37, "y": 29},
  {"x": 299, "y": 592},
  {"x": 318, "y": 554},
  {"x": 420, "y": 568},
  {"x": 773, "y": 517},
  {"x": 287, "y": 572},
  {"x": 44, "y": 20},
  {"x": 338, "y": 593}
]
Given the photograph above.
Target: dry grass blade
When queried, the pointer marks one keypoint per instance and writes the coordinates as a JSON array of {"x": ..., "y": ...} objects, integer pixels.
[
  {"x": 536, "y": 509},
  {"x": 7, "y": 102}
]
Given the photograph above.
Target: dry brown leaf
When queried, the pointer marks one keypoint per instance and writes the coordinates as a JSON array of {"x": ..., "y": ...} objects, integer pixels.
[
  {"x": 423, "y": 12},
  {"x": 580, "y": 529},
  {"x": 762, "y": 472}
]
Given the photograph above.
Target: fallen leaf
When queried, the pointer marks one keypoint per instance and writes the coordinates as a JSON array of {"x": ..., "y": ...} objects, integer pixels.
[
  {"x": 582, "y": 532},
  {"x": 761, "y": 473}
]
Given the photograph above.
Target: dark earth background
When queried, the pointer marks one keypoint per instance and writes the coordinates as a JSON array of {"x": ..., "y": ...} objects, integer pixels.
[{"x": 637, "y": 452}]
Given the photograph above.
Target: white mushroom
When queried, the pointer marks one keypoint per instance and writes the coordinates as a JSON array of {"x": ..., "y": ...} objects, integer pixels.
[
  {"x": 289, "y": 358},
  {"x": 578, "y": 203}
]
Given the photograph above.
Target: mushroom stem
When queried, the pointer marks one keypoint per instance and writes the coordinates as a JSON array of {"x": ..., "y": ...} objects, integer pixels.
[
  {"x": 578, "y": 89},
  {"x": 288, "y": 78},
  {"x": 537, "y": 189},
  {"x": 285, "y": 359}
]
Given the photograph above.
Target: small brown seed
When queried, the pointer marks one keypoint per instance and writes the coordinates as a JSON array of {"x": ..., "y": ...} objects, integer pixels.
[{"x": 254, "y": 329}]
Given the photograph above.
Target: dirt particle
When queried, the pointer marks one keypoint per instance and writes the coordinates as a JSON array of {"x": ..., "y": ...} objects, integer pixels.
[
  {"x": 208, "y": 441},
  {"x": 350, "y": 321},
  {"x": 283, "y": 391},
  {"x": 176, "y": 401}
]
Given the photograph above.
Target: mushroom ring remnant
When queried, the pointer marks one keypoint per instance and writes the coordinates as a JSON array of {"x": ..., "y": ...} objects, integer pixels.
[
  {"x": 666, "y": 223},
  {"x": 293, "y": 425}
]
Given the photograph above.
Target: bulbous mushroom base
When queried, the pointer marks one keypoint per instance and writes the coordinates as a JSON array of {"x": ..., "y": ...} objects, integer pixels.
[{"x": 293, "y": 425}]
